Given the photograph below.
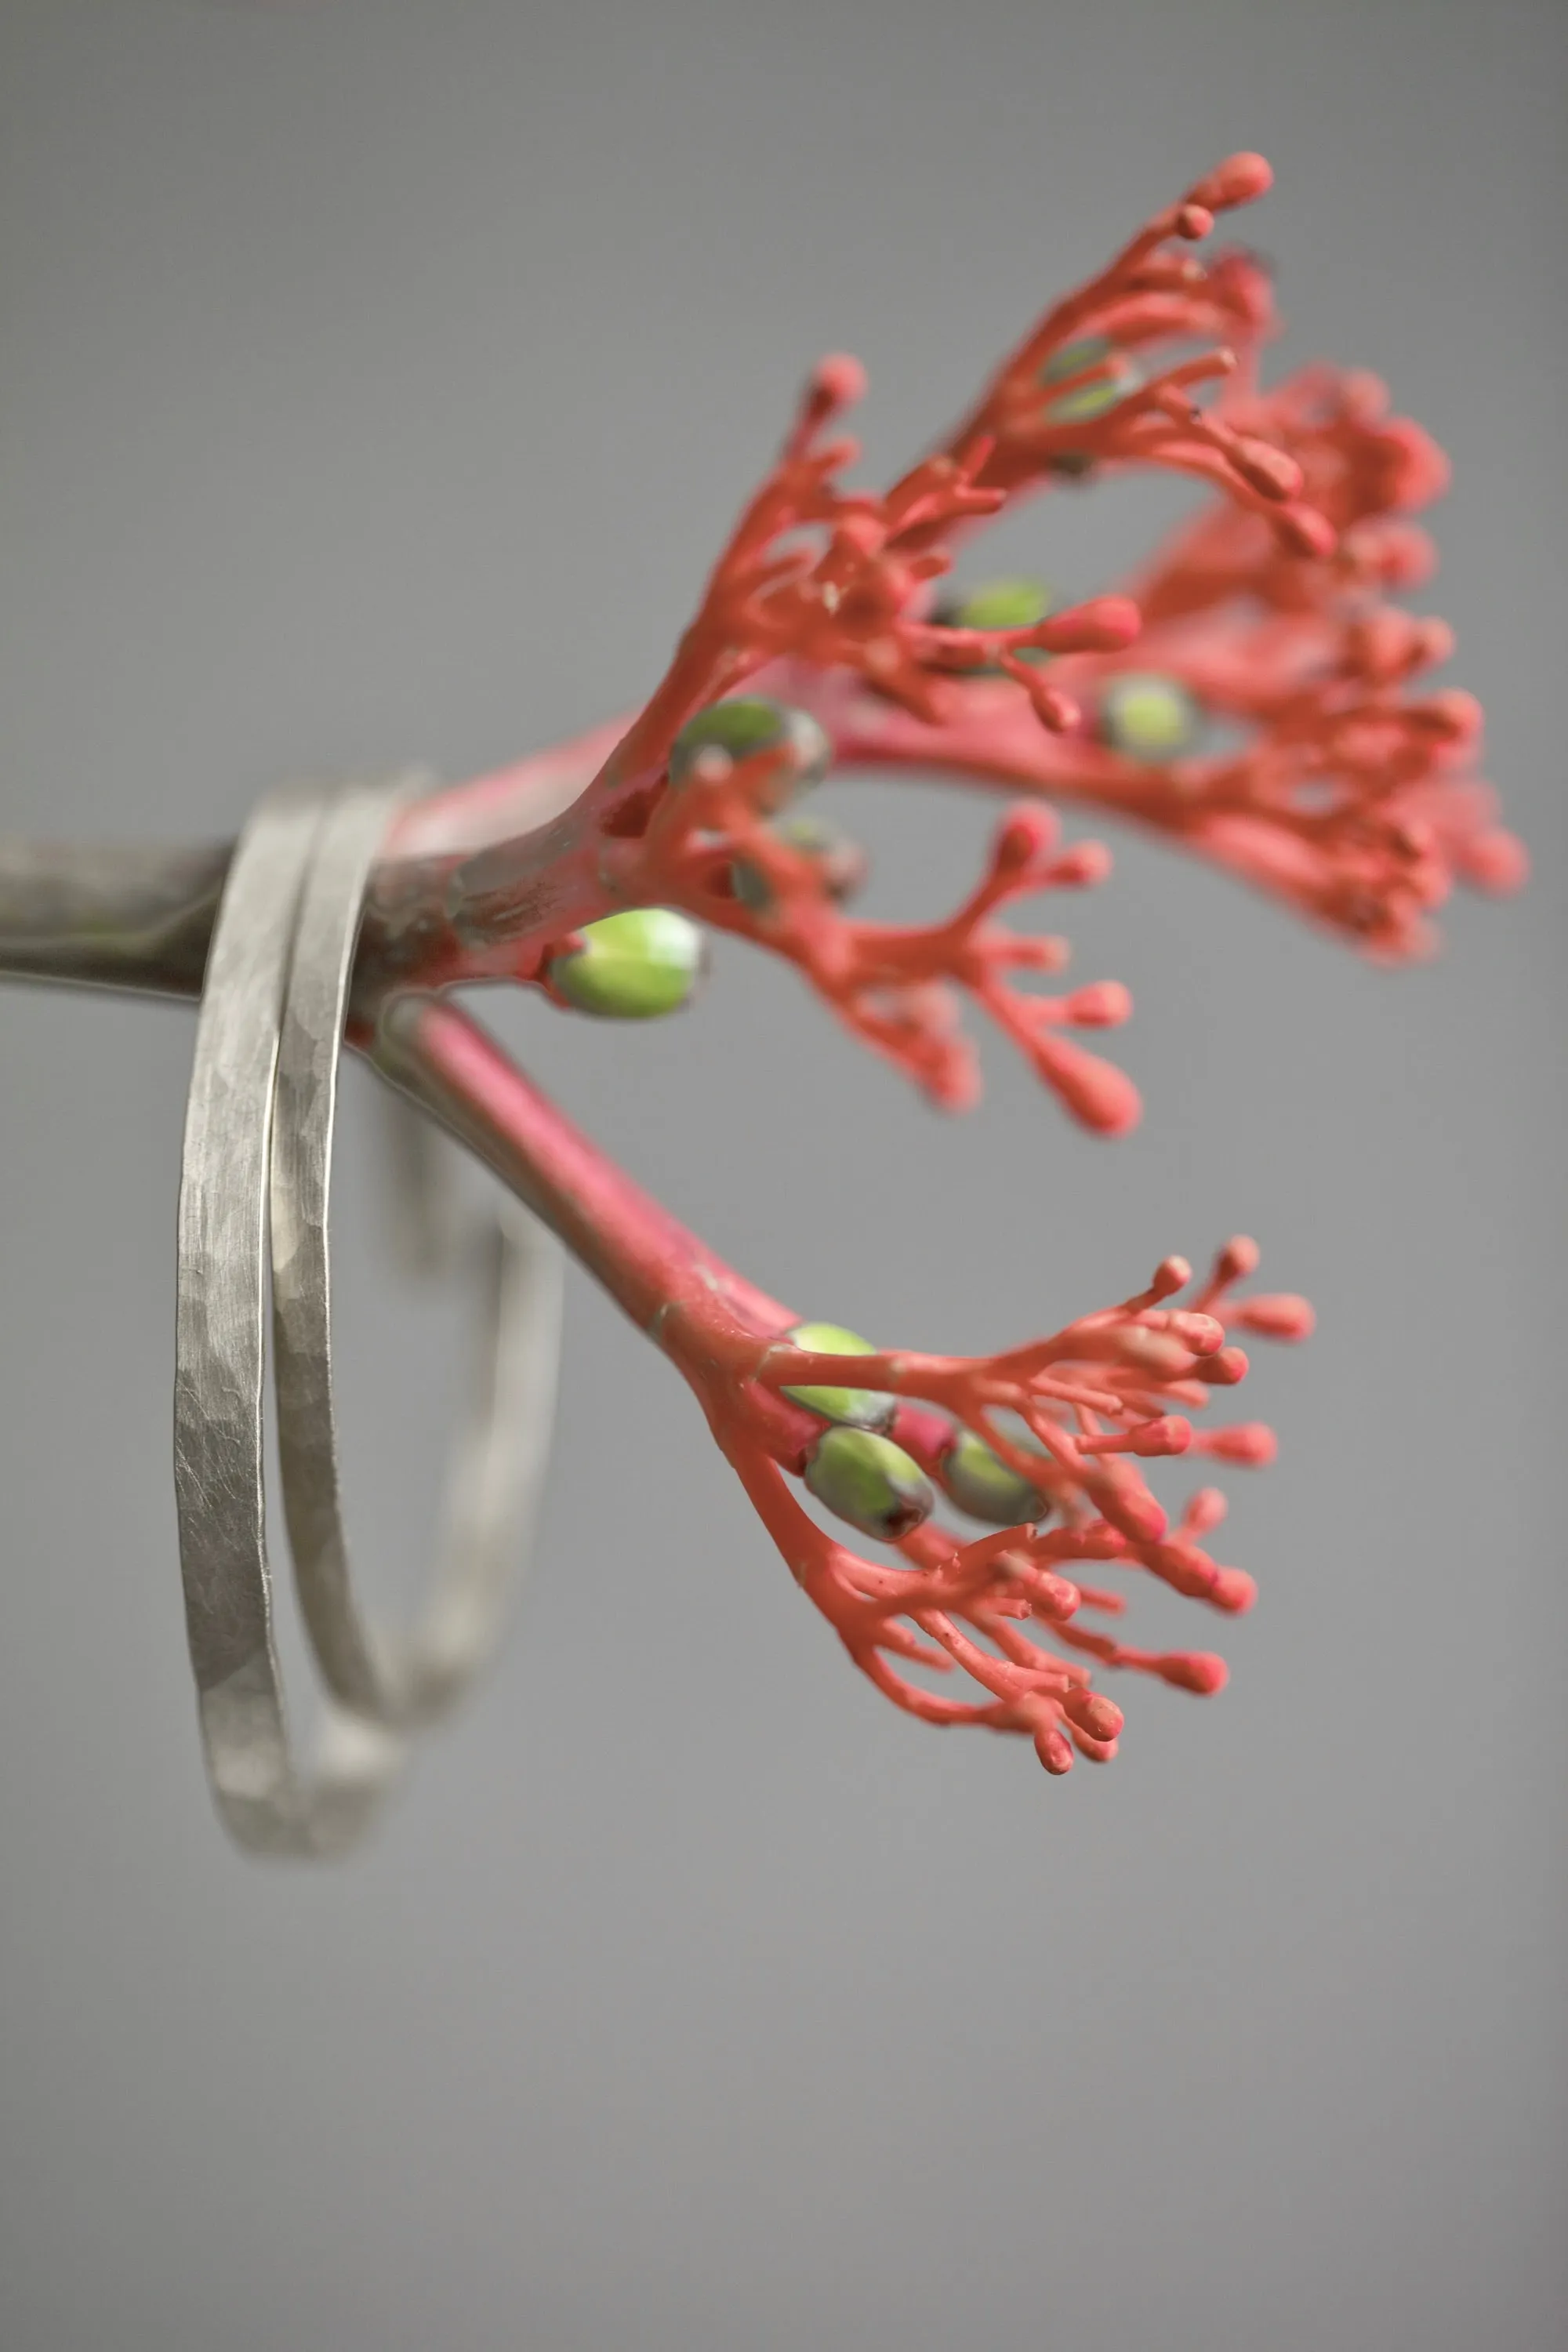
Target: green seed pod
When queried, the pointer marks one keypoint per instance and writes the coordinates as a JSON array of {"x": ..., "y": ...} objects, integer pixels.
[
  {"x": 840, "y": 861},
  {"x": 632, "y": 966},
  {"x": 1147, "y": 718},
  {"x": 1073, "y": 357},
  {"x": 981, "y": 1483},
  {"x": 870, "y": 1482},
  {"x": 997, "y": 605},
  {"x": 1090, "y": 400},
  {"x": 858, "y": 1408},
  {"x": 748, "y": 724}
]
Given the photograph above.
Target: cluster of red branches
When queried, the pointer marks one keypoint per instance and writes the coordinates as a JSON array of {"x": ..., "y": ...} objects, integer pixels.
[
  {"x": 1333, "y": 777},
  {"x": 1108, "y": 1391},
  {"x": 1328, "y": 779},
  {"x": 894, "y": 986},
  {"x": 1319, "y": 767}
]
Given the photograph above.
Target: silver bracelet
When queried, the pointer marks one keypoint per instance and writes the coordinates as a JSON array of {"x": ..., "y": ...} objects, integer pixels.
[{"x": 256, "y": 1172}]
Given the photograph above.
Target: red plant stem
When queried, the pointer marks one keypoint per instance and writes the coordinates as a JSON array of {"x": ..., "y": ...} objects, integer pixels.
[
  {"x": 487, "y": 811},
  {"x": 673, "y": 1288}
]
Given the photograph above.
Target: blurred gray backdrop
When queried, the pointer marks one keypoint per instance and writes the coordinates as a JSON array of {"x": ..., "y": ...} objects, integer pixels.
[{"x": 379, "y": 379}]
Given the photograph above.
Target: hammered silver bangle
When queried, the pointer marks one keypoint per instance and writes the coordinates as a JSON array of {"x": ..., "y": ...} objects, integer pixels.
[{"x": 254, "y": 1185}]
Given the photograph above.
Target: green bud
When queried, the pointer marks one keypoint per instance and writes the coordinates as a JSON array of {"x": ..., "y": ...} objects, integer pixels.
[
  {"x": 860, "y": 1408},
  {"x": 870, "y": 1482},
  {"x": 981, "y": 1483},
  {"x": 1147, "y": 718},
  {"x": 751, "y": 723},
  {"x": 840, "y": 861},
  {"x": 1073, "y": 357},
  {"x": 632, "y": 966},
  {"x": 997, "y": 605},
  {"x": 1090, "y": 400}
]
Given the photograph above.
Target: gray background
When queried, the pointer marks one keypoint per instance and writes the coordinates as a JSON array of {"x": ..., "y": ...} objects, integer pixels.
[{"x": 378, "y": 380}]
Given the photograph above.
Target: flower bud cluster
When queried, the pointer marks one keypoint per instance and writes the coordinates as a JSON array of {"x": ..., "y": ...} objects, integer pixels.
[{"x": 1044, "y": 1444}]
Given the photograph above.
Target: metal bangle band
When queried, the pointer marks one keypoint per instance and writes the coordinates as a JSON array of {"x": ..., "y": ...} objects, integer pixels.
[
  {"x": 502, "y": 1453},
  {"x": 256, "y": 1154},
  {"x": 265, "y": 1802}
]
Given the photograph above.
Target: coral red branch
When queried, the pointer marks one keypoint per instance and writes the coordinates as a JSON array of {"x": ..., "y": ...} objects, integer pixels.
[
  {"x": 1321, "y": 768},
  {"x": 893, "y": 986},
  {"x": 838, "y": 579},
  {"x": 1074, "y": 1413}
]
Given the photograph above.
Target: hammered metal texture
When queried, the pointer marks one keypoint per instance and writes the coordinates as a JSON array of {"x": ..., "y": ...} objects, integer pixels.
[
  {"x": 257, "y": 1163},
  {"x": 502, "y": 1454}
]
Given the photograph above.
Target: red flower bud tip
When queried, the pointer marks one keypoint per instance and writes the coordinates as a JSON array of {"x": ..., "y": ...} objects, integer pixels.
[
  {"x": 1237, "y": 1260},
  {"x": 1094, "y": 1751},
  {"x": 1306, "y": 532},
  {"x": 1082, "y": 867},
  {"x": 1394, "y": 555},
  {"x": 1435, "y": 645},
  {"x": 835, "y": 455},
  {"x": 1194, "y": 1670},
  {"x": 1184, "y": 1566},
  {"x": 1252, "y": 1442},
  {"x": 1135, "y": 1512},
  {"x": 1026, "y": 834},
  {"x": 1363, "y": 396},
  {"x": 1277, "y": 1317},
  {"x": 956, "y": 1086},
  {"x": 1057, "y": 1600},
  {"x": 837, "y": 382},
  {"x": 1169, "y": 1434},
  {"x": 1104, "y": 626},
  {"x": 1385, "y": 645},
  {"x": 1452, "y": 714},
  {"x": 1267, "y": 470},
  {"x": 1096, "y": 1092},
  {"x": 1240, "y": 180},
  {"x": 1205, "y": 1511},
  {"x": 1224, "y": 1368},
  {"x": 1415, "y": 469},
  {"x": 1232, "y": 1591},
  {"x": 1172, "y": 1273},
  {"x": 1193, "y": 221},
  {"x": 1056, "y": 711},
  {"x": 1418, "y": 840},
  {"x": 1054, "y": 1752},
  {"x": 1496, "y": 861},
  {"x": 1103, "y": 1004},
  {"x": 1092, "y": 1712}
]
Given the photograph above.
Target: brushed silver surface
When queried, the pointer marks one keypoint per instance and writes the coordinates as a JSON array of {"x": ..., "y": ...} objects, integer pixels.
[{"x": 255, "y": 1180}]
